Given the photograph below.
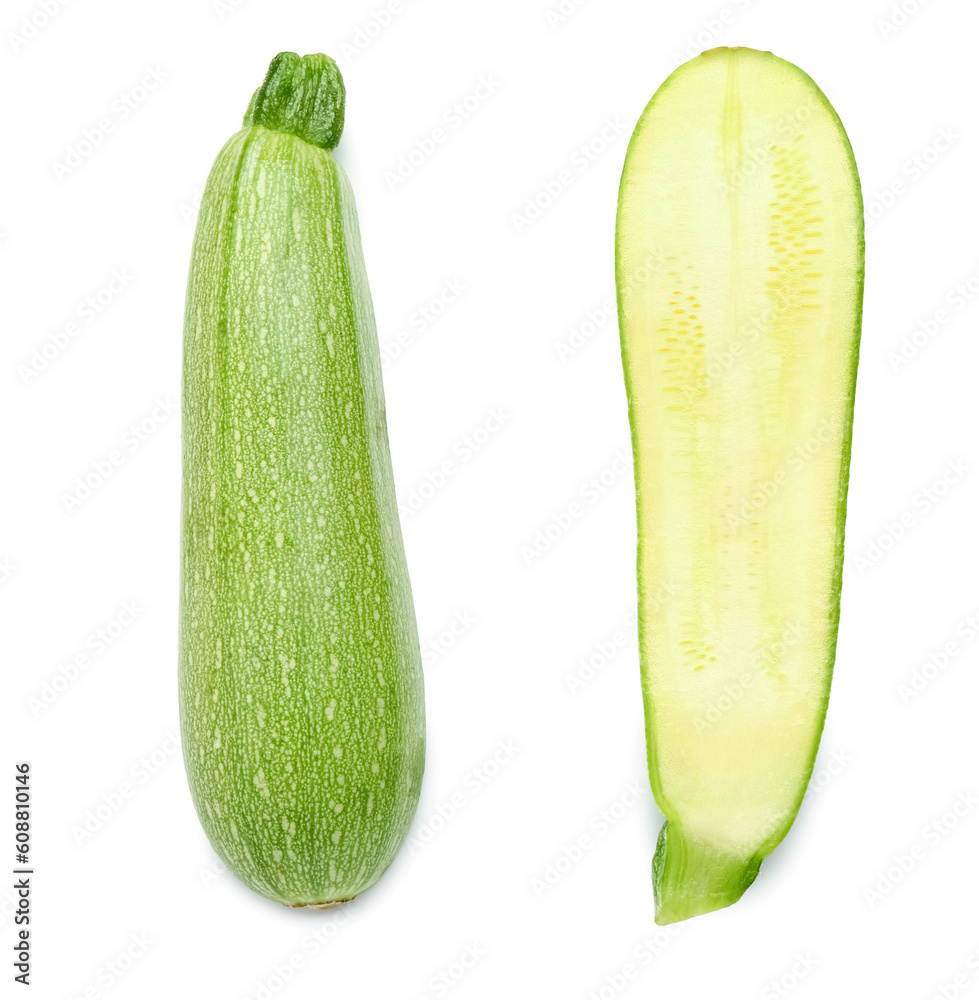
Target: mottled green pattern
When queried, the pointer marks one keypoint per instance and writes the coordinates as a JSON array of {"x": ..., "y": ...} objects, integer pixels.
[
  {"x": 303, "y": 95},
  {"x": 301, "y": 696}
]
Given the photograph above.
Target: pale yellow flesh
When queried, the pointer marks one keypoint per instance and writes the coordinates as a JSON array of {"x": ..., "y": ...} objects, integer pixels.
[{"x": 739, "y": 267}]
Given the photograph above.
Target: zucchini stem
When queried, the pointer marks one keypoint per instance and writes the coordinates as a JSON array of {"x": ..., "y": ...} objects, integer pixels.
[
  {"x": 303, "y": 95},
  {"x": 690, "y": 877}
]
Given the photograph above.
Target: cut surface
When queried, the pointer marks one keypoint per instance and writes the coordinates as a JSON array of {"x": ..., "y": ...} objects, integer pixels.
[{"x": 739, "y": 266}]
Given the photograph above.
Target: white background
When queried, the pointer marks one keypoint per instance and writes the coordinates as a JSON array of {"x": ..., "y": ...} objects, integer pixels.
[{"x": 889, "y": 768}]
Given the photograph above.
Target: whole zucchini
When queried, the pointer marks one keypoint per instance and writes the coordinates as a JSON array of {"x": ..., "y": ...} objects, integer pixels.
[{"x": 301, "y": 693}]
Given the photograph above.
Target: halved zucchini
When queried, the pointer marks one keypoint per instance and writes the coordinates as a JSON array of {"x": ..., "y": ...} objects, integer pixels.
[{"x": 739, "y": 268}]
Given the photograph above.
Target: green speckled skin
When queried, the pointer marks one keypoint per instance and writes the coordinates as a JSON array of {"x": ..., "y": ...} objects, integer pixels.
[{"x": 301, "y": 693}]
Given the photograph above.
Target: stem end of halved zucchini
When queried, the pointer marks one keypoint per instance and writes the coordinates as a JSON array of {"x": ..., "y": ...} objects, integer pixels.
[
  {"x": 303, "y": 95},
  {"x": 691, "y": 877}
]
